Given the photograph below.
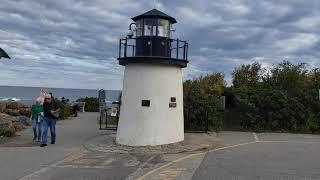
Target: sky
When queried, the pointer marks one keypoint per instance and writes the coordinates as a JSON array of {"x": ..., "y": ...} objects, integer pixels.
[{"x": 74, "y": 43}]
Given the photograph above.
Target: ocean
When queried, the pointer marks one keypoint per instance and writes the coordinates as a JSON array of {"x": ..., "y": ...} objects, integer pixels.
[{"x": 28, "y": 95}]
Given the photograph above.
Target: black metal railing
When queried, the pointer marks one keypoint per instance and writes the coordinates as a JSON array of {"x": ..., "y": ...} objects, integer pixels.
[{"x": 178, "y": 48}]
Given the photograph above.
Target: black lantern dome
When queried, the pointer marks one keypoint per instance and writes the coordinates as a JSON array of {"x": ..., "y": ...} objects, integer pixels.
[
  {"x": 152, "y": 42},
  {"x": 154, "y": 13}
]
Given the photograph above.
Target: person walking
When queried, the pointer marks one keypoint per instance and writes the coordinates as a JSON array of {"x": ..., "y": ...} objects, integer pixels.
[
  {"x": 51, "y": 114},
  {"x": 36, "y": 116}
]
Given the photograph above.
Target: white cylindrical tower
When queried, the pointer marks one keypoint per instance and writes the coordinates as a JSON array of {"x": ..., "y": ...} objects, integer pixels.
[{"x": 151, "y": 111}]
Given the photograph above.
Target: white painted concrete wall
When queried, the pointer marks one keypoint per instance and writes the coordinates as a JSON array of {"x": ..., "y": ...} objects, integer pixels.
[{"x": 157, "y": 124}]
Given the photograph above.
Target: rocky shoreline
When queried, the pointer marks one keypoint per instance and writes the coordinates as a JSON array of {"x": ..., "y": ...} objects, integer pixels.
[{"x": 14, "y": 117}]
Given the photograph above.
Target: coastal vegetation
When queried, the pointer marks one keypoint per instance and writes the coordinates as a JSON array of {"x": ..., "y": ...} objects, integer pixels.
[
  {"x": 201, "y": 102},
  {"x": 283, "y": 98},
  {"x": 92, "y": 104},
  {"x": 65, "y": 109}
]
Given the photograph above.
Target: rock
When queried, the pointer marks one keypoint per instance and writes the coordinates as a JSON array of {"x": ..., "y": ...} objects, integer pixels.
[
  {"x": 6, "y": 121},
  {"x": 2, "y": 107},
  {"x": 12, "y": 112},
  {"x": 6, "y": 126},
  {"x": 26, "y": 111},
  {"x": 18, "y": 126},
  {"x": 24, "y": 120},
  {"x": 14, "y": 105},
  {"x": 24, "y": 106}
]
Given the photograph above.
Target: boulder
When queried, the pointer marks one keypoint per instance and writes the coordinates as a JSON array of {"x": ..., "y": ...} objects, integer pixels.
[
  {"x": 12, "y": 112},
  {"x": 14, "y": 105},
  {"x": 18, "y": 126},
  {"x": 6, "y": 126},
  {"x": 24, "y": 106},
  {"x": 6, "y": 121},
  {"x": 26, "y": 111},
  {"x": 2, "y": 107},
  {"x": 24, "y": 120}
]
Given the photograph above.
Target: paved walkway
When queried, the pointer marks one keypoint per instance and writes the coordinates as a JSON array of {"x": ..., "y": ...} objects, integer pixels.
[
  {"x": 69, "y": 159},
  {"x": 243, "y": 156},
  {"x": 21, "y": 157}
]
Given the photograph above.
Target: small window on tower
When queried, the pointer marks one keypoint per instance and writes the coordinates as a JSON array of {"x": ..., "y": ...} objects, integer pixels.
[
  {"x": 173, "y": 99},
  {"x": 145, "y": 103}
]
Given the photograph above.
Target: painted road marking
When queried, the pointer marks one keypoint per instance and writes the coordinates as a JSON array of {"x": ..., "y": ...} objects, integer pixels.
[
  {"x": 171, "y": 173},
  {"x": 70, "y": 157},
  {"x": 256, "y": 138},
  {"x": 189, "y": 156}
]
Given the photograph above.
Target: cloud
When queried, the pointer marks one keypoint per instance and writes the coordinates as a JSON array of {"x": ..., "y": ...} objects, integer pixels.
[
  {"x": 74, "y": 43},
  {"x": 297, "y": 43}
]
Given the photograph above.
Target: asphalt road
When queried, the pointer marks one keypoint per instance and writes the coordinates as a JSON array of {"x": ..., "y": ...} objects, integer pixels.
[
  {"x": 245, "y": 156},
  {"x": 274, "y": 156}
]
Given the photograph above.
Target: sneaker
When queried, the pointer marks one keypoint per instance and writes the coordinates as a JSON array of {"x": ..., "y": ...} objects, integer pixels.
[
  {"x": 43, "y": 145},
  {"x": 34, "y": 138},
  {"x": 53, "y": 142}
]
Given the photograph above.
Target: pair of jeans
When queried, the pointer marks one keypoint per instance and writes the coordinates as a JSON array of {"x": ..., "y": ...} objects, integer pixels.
[
  {"x": 37, "y": 128},
  {"x": 48, "y": 122}
]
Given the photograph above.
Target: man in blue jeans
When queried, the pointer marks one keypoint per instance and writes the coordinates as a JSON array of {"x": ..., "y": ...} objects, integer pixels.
[{"x": 50, "y": 109}]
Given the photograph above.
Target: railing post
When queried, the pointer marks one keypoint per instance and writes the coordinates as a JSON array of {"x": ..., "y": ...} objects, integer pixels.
[
  {"x": 120, "y": 41},
  {"x": 207, "y": 118},
  {"x": 106, "y": 114},
  {"x": 151, "y": 48},
  {"x": 187, "y": 51},
  {"x": 100, "y": 120},
  {"x": 184, "y": 50},
  {"x": 177, "y": 48},
  {"x": 125, "y": 47}
]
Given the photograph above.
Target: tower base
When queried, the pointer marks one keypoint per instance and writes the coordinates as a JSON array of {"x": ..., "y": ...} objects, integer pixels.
[{"x": 151, "y": 110}]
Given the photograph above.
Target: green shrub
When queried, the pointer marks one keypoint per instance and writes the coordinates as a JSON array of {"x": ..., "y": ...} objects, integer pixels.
[
  {"x": 201, "y": 102},
  {"x": 285, "y": 99},
  {"x": 65, "y": 112},
  {"x": 92, "y": 104}
]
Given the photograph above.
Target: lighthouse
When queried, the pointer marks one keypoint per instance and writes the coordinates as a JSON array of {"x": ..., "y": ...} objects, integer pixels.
[{"x": 151, "y": 111}]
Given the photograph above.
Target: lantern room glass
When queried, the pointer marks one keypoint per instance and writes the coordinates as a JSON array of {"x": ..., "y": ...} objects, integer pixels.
[
  {"x": 153, "y": 27},
  {"x": 163, "y": 28},
  {"x": 150, "y": 27},
  {"x": 139, "y": 28}
]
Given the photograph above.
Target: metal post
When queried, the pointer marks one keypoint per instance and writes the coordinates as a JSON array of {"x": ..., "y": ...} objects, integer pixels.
[
  {"x": 184, "y": 50},
  {"x": 125, "y": 47},
  {"x": 187, "y": 51},
  {"x": 207, "y": 118},
  {"x": 120, "y": 41},
  {"x": 151, "y": 46},
  {"x": 106, "y": 114},
  {"x": 177, "y": 48},
  {"x": 100, "y": 120}
]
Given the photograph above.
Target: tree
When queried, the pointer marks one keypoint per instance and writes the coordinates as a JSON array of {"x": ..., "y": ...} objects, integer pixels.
[
  {"x": 285, "y": 99},
  {"x": 201, "y": 101}
]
